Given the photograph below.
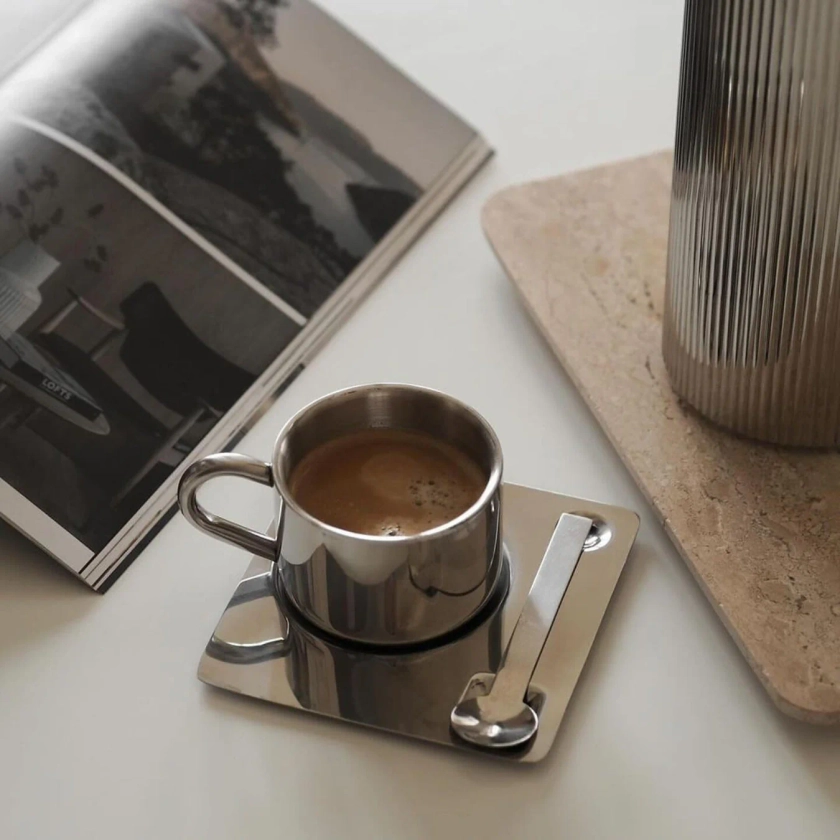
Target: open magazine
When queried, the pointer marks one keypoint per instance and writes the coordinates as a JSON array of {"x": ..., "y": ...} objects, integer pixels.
[{"x": 193, "y": 194}]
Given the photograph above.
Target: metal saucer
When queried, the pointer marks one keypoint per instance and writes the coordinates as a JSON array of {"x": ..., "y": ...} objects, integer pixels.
[{"x": 413, "y": 691}]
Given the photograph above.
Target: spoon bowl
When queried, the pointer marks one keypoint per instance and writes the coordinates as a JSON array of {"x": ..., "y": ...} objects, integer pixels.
[{"x": 476, "y": 725}]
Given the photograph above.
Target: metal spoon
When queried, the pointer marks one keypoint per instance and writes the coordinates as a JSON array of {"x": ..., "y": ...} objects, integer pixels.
[{"x": 502, "y": 718}]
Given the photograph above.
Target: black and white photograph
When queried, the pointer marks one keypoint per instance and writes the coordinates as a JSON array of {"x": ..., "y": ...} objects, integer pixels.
[
  {"x": 185, "y": 185},
  {"x": 262, "y": 124},
  {"x": 122, "y": 341}
]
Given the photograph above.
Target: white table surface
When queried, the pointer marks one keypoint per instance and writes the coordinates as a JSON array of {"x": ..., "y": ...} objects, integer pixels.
[{"x": 104, "y": 729}]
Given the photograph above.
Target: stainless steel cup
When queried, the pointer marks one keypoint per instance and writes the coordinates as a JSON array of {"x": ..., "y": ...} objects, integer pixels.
[{"x": 369, "y": 589}]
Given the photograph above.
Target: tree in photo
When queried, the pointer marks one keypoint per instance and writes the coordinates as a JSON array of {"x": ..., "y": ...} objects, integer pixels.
[{"x": 256, "y": 17}]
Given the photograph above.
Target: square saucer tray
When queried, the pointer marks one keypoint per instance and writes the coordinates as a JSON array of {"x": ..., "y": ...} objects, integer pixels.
[{"x": 261, "y": 649}]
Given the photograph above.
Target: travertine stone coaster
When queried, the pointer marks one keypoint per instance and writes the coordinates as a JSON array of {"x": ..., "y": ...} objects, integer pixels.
[{"x": 759, "y": 526}]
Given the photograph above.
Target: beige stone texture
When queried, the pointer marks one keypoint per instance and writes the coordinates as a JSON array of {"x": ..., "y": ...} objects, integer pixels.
[{"x": 759, "y": 526}]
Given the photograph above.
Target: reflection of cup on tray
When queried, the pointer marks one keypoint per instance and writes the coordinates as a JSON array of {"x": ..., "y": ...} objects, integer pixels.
[
  {"x": 367, "y": 572},
  {"x": 386, "y": 685}
]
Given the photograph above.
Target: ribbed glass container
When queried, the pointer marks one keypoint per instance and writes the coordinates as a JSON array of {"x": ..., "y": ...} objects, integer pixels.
[{"x": 752, "y": 309}]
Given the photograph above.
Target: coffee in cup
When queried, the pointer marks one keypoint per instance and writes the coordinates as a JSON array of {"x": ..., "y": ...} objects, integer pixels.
[{"x": 386, "y": 482}]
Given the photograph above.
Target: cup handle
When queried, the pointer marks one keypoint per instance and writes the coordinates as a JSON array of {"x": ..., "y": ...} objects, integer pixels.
[{"x": 213, "y": 466}]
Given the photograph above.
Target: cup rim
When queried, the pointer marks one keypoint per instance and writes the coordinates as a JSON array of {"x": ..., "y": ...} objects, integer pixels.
[{"x": 490, "y": 488}]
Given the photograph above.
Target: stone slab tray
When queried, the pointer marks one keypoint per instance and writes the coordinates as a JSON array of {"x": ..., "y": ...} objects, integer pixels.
[{"x": 759, "y": 526}]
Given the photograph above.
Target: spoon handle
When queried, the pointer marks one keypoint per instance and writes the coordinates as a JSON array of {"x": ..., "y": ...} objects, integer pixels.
[{"x": 531, "y": 631}]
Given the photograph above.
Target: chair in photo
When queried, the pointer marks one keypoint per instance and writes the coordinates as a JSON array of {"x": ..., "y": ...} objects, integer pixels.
[
  {"x": 164, "y": 356},
  {"x": 175, "y": 366}
]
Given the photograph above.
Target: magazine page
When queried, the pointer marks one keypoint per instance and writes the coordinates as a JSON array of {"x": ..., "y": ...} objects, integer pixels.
[{"x": 183, "y": 185}]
